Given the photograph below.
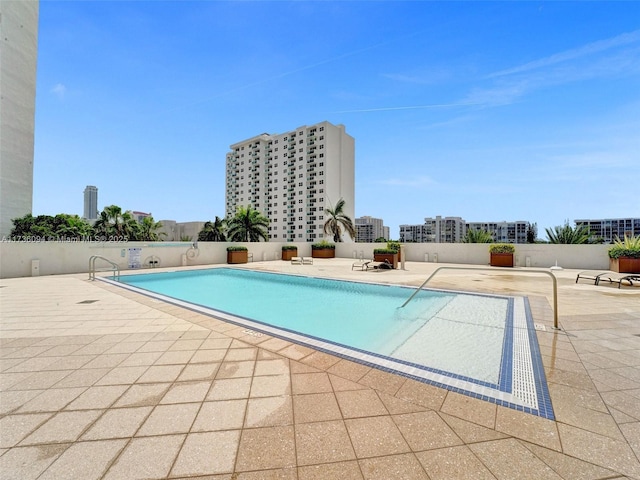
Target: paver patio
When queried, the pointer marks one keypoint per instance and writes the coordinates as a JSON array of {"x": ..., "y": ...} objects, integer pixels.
[{"x": 101, "y": 383}]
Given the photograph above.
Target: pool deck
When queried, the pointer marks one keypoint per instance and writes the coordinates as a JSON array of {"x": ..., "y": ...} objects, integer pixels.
[{"x": 102, "y": 383}]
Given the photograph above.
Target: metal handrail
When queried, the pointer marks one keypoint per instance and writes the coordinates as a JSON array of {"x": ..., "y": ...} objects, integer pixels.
[
  {"x": 115, "y": 269},
  {"x": 553, "y": 278}
]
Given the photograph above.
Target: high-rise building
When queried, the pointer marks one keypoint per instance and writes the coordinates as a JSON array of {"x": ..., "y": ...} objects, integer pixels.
[
  {"x": 454, "y": 229},
  {"x": 609, "y": 229},
  {"x": 368, "y": 229},
  {"x": 19, "y": 26},
  {"x": 292, "y": 177},
  {"x": 503, "y": 232},
  {"x": 90, "y": 203}
]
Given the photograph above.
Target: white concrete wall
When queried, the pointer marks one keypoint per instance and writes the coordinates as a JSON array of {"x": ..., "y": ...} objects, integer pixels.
[
  {"x": 19, "y": 39},
  {"x": 61, "y": 258}
]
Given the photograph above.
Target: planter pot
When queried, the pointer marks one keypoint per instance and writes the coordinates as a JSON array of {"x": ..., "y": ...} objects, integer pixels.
[
  {"x": 501, "y": 260},
  {"x": 323, "y": 253},
  {"x": 238, "y": 256},
  {"x": 392, "y": 258},
  {"x": 289, "y": 254},
  {"x": 624, "y": 265}
]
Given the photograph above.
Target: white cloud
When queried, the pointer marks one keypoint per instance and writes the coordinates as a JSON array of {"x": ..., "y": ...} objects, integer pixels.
[{"x": 59, "y": 90}]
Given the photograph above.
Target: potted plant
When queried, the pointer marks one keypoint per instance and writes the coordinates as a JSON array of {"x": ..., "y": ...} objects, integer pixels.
[
  {"x": 237, "y": 254},
  {"x": 289, "y": 251},
  {"x": 323, "y": 249},
  {"x": 501, "y": 254},
  {"x": 393, "y": 245},
  {"x": 386, "y": 254},
  {"x": 624, "y": 255}
]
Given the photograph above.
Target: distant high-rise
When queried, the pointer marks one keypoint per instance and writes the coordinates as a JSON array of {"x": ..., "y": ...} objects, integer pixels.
[
  {"x": 19, "y": 26},
  {"x": 90, "y": 202},
  {"x": 368, "y": 229},
  {"x": 292, "y": 178}
]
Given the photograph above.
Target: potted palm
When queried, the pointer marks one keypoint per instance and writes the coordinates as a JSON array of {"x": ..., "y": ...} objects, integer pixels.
[
  {"x": 289, "y": 251},
  {"x": 323, "y": 249},
  {"x": 237, "y": 254},
  {"x": 624, "y": 255},
  {"x": 386, "y": 254},
  {"x": 501, "y": 254}
]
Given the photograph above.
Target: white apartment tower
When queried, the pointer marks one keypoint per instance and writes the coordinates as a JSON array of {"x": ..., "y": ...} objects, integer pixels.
[
  {"x": 90, "y": 202},
  {"x": 19, "y": 37},
  {"x": 292, "y": 177},
  {"x": 368, "y": 229}
]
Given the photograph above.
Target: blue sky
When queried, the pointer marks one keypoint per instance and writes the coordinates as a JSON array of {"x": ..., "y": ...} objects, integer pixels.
[{"x": 489, "y": 111}]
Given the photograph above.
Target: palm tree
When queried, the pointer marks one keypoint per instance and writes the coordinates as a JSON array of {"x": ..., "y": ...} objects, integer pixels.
[
  {"x": 477, "y": 236},
  {"x": 248, "y": 225},
  {"x": 337, "y": 221},
  {"x": 213, "y": 231},
  {"x": 568, "y": 235},
  {"x": 149, "y": 230}
]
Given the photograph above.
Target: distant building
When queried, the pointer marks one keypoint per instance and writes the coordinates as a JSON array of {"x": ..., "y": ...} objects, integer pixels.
[
  {"x": 90, "y": 203},
  {"x": 139, "y": 216},
  {"x": 503, "y": 232},
  {"x": 454, "y": 229},
  {"x": 180, "y": 231},
  {"x": 17, "y": 103},
  {"x": 292, "y": 178},
  {"x": 611, "y": 228},
  {"x": 368, "y": 229}
]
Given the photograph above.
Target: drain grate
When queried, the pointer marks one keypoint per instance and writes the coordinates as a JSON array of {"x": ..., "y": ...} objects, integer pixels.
[{"x": 87, "y": 301}]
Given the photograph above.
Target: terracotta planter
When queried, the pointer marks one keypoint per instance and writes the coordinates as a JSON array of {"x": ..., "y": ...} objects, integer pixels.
[
  {"x": 501, "y": 260},
  {"x": 238, "y": 256},
  {"x": 392, "y": 258},
  {"x": 289, "y": 254},
  {"x": 323, "y": 253},
  {"x": 624, "y": 265}
]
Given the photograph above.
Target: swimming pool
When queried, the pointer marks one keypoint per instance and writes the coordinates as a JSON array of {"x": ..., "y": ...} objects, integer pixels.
[{"x": 362, "y": 321}]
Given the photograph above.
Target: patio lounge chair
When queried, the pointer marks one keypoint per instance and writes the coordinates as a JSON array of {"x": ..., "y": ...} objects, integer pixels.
[
  {"x": 307, "y": 261},
  {"x": 618, "y": 278},
  {"x": 386, "y": 265},
  {"x": 361, "y": 264},
  {"x": 296, "y": 260},
  {"x": 590, "y": 275}
]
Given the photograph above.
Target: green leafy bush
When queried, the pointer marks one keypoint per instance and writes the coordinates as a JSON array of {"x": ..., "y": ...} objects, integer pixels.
[
  {"x": 501, "y": 248},
  {"x": 383, "y": 251},
  {"x": 236, "y": 248},
  {"x": 323, "y": 245},
  {"x": 289, "y": 247},
  {"x": 629, "y": 247},
  {"x": 393, "y": 245}
]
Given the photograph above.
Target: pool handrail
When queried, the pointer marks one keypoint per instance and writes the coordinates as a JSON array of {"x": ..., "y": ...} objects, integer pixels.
[
  {"x": 493, "y": 269},
  {"x": 114, "y": 268}
]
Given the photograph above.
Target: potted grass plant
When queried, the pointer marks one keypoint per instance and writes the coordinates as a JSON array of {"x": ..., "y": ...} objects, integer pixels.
[
  {"x": 237, "y": 254},
  {"x": 624, "y": 255},
  {"x": 393, "y": 245},
  {"x": 289, "y": 251},
  {"x": 386, "y": 254},
  {"x": 323, "y": 249},
  {"x": 501, "y": 254}
]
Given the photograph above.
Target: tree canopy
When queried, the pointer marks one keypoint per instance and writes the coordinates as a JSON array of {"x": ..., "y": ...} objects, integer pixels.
[{"x": 337, "y": 221}]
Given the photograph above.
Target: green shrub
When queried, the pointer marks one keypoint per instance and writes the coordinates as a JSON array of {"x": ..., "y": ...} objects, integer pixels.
[
  {"x": 383, "y": 251},
  {"x": 502, "y": 248},
  {"x": 236, "y": 248},
  {"x": 392, "y": 245},
  {"x": 629, "y": 247},
  {"x": 289, "y": 247},
  {"x": 323, "y": 245}
]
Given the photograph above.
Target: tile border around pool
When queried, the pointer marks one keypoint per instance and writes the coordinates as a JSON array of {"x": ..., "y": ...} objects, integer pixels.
[{"x": 501, "y": 394}]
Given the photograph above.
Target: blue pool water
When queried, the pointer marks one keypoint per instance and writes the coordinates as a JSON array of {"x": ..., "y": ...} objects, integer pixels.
[{"x": 464, "y": 337}]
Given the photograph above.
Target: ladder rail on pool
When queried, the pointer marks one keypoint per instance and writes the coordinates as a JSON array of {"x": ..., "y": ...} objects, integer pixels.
[{"x": 553, "y": 278}]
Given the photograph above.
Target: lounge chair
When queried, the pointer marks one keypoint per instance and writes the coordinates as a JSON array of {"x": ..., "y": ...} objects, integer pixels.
[
  {"x": 590, "y": 275},
  {"x": 296, "y": 260},
  {"x": 618, "y": 278},
  {"x": 307, "y": 261},
  {"x": 361, "y": 264},
  {"x": 386, "y": 265}
]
